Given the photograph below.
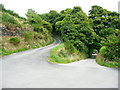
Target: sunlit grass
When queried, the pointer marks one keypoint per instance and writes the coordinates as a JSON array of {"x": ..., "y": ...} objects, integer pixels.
[{"x": 60, "y": 55}]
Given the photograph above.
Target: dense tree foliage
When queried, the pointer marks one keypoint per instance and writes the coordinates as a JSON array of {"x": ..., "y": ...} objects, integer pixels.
[
  {"x": 86, "y": 34},
  {"x": 42, "y": 27},
  {"x": 101, "y": 29},
  {"x": 76, "y": 28},
  {"x": 52, "y": 17},
  {"x": 36, "y": 21},
  {"x": 112, "y": 47},
  {"x": 106, "y": 24}
]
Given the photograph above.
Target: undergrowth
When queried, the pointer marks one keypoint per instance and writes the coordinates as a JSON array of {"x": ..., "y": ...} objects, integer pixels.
[
  {"x": 7, "y": 48},
  {"x": 101, "y": 60},
  {"x": 60, "y": 55}
]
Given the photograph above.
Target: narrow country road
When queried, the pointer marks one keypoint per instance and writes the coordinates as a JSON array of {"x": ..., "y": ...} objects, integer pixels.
[{"x": 31, "y": 69}]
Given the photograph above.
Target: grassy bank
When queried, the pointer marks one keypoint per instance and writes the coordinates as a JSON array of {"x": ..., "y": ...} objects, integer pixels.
[
  {"x": 7, "y": 48},
  {"x": 101, "y": 60},
  {"x": 60, "y": 55}
]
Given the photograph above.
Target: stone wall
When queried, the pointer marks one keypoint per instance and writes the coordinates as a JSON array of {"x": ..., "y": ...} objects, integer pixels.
[{"x": 5, "y": 31}]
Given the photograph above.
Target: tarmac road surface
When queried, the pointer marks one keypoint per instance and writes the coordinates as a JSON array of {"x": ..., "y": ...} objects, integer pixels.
[{"x": 31, "y": 69}]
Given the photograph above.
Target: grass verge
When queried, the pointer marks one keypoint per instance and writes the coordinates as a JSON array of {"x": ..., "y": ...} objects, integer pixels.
[
  {"x": 7, "y": 48},
  {"x": 62, "y": 56},
  {"x": 101, "y": 61}
]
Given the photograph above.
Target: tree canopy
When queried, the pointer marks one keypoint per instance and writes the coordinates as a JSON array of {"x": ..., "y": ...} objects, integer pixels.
[{"x": 36, "y": 21}]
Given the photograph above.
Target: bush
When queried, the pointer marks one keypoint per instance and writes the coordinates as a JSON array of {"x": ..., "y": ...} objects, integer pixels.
[
  {"x": 14, "y": 40},
  {"x": 28, "y": 35},
  {"x": 110, "y": 53},
  {"x": 103, "y": 50},
  {"x": 70, "y": 48},
  {"x": 36, "y": 35},
  {"x": 101, "y": 60},
  {"x": 47, "y": 25},
  {"x": 81, "y": 46},
  {"x": 8, "y": 18}
]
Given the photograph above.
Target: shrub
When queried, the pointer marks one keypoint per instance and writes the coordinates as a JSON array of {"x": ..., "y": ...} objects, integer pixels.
[
  {"x": 81, "y": 46},
  {"x": 8, "y": 18},
  {"x": 103, "y": 50},
  {"x": 69, "y": 47},
  {"x": 14, "y": 40},
  {"x": 100, "y": 60},
  {"x": 36, "y": 35},
  {"x": 28, "y": 35},
  {"x": 47, "y": 25},
  {"x": 95, "y": 51}
]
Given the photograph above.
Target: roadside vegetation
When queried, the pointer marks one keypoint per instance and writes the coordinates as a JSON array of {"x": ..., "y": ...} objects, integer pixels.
[
  {"x": 109, "y": 54},
  {"x": 103, "y": 62},
  {"x": 61, "y": 55},
  {"x": 16, "y": 44},
  {"x": 101, "y": 28},
  {"x": 19, "y": 34},
  {"x": 106, "y": 25},
  {"x": 81, "y": 34}
]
